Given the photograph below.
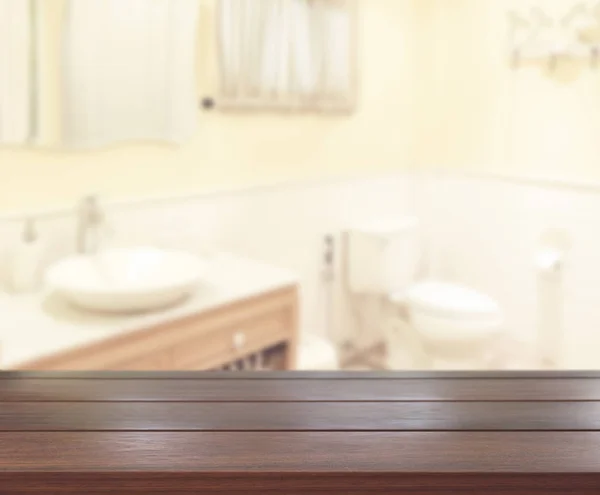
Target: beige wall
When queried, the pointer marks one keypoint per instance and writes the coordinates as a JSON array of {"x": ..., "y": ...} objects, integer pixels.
[
  {"x": 485, "y": 117},
  {"x": 235, "y": 151}
]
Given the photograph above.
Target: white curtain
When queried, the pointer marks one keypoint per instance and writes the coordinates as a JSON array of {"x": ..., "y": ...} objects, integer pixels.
[
  {"x": 241, "y": 37},
  {"x": 285, "y": 50},
  {"x": 17, "y": 81},
  {"x": 130, "y": 71},
  {"x": 336, "y": 44}
]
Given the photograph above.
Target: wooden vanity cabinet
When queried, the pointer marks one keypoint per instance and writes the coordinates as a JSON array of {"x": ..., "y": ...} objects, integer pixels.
[{"x": 213, "y": 339}]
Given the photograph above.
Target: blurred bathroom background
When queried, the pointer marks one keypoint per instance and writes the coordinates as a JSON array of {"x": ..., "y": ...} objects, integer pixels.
[{"x": 426, "y": 170}]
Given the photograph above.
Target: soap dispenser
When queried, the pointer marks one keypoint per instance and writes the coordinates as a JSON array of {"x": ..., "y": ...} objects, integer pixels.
[{"x": 27, "y": 260}]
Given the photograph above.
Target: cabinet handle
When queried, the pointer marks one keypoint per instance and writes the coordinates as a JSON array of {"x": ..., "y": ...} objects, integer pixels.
[{"x": 239, "y": 340}]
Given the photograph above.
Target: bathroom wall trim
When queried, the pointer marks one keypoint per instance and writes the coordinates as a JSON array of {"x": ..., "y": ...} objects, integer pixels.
[
  {"x": 584, "y": 186},
  {"x": 138, "y": 202}
]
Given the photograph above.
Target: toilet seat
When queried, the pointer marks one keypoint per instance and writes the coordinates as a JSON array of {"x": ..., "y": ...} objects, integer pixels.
[{"x": 452, "y": 302}]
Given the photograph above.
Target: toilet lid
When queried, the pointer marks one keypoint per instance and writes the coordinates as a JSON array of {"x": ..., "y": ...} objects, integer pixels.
[{"x": 451, "y": 300}]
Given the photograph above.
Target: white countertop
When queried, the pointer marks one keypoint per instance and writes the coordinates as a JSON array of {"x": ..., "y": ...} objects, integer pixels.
[{"x": 38, "y": 325}]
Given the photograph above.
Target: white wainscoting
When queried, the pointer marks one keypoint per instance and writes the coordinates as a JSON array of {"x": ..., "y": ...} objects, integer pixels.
[{"x": 489, "y": 230}]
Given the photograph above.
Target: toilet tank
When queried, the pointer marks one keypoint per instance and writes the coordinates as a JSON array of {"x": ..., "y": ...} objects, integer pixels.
[{"x": 383, "y": 257}]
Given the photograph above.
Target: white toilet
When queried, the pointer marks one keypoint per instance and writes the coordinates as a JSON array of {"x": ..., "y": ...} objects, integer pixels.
[{"x": 456, "y": 326}]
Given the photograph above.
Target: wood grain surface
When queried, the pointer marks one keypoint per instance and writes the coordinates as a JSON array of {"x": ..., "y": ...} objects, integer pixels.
[
  {"x": 300, "y": 433},
  {"x": 212, "y": 388}
]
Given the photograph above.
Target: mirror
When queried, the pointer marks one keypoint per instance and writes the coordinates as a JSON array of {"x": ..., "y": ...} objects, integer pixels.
[{"x": 84, "y": 74}]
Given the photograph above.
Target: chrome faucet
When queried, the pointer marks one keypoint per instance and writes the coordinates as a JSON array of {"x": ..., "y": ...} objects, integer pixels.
[{"x": 90, "y": 219}]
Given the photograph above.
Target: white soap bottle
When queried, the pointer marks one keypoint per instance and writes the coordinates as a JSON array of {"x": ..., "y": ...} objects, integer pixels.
[{"x": 26, "y": 262}]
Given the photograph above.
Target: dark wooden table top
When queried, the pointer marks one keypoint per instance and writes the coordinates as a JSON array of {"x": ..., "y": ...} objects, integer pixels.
[{"x": 300, "y": 433}]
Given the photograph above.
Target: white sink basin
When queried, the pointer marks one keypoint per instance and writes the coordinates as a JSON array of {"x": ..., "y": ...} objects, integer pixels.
[{"x": 126, "y": 280}]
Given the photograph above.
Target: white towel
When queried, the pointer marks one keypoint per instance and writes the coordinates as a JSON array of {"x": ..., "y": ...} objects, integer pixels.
[
  {"x": 16, "y": 71},
  {"x": 129, "y": 71}
]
